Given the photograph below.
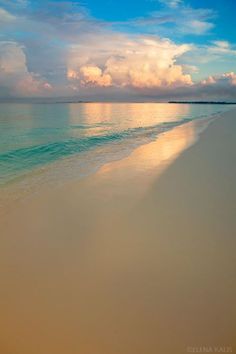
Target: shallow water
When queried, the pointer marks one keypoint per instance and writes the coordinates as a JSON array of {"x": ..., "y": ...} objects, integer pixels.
[{"x": 34, "y": 135}]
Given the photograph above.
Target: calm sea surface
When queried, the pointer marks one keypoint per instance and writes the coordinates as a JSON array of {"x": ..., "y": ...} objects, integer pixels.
[{"x": 35, "y": 135}]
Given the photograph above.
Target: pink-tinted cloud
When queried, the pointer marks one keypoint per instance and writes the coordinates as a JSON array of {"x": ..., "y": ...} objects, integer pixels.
[
  {"x": 14, "y": 75},
  {"x": 69, "y": 53},
  {"x": 225, "y": 79},
  {"x": 138, "y": 62}
]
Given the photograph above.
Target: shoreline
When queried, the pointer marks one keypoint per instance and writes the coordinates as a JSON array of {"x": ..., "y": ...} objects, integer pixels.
[
  {"x": 138, "y": 258},
  {"x": 72, "y": 170},
  {"x": 127, "y": 139}
]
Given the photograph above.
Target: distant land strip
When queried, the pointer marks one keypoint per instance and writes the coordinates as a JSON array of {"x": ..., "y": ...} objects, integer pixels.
[{"x": 202, "y": 102}]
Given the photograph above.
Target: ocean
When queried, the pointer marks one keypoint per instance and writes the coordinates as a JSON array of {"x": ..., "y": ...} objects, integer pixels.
[{"x": 34, "y": 136}]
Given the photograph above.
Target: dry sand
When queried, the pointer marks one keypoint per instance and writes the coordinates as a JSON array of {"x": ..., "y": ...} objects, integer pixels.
[{"x": 136, "y": 259}]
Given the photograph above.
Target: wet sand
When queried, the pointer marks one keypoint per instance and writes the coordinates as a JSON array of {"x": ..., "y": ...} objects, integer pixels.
[{"x": 136, "y": 259}]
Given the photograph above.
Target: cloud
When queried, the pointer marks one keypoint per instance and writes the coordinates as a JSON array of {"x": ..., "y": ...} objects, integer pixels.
[
  {"x": 5, "y": 17},
  {"x": 222, "y": 44},
  {"x": 218, "y": 53},
  {"x": 225, "y": 79},
  {"x": 171, "y": 3},
  {"x": 69, "y": 53},
  {"x": 222, "y": 48},
  {"x": 122, "y": 61},
  {"x": 194, "y": 21},
  {"x": 197, "y": 27},
  {"x": 65, "y": 20},
  {"x": 15, "y": 3},
  {"x": 177, "y": 19},
  {"x": 14, "y": 6},
  {"x": 91, "y": 75},
  {"x": 216, "y": 87},
  {"x": 15, "y": 78},
  {"x": 125, "y": 68}
]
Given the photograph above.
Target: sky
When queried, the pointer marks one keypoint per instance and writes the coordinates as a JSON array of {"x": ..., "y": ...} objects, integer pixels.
[{"x": 118, "y": 50}]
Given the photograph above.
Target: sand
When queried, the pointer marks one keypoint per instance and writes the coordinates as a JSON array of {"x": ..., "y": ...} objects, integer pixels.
[{"x": 136, "y": 259}]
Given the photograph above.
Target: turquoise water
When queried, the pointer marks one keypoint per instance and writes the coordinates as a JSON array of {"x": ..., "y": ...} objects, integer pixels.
[{"x": 35, "y": 135}]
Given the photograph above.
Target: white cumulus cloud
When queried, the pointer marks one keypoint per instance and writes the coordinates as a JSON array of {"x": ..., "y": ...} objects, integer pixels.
[{"x": 121, "y": 61}]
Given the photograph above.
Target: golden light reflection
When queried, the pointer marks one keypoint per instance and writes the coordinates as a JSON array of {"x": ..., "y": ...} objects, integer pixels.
[
  {"x": 148, "y": 161},
  {"x": 127, "y": 115}
]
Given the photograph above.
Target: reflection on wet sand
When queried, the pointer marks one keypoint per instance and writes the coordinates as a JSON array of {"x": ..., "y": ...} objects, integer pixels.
[{"x": 148, "y": 161}]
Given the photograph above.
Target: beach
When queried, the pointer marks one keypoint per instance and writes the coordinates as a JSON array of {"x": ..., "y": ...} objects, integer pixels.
[{"x": 137, "y": 258}]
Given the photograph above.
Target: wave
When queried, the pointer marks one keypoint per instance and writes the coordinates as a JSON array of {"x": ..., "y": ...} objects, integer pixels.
[{"x": 18, "y": 161}]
